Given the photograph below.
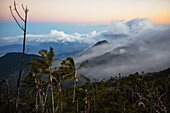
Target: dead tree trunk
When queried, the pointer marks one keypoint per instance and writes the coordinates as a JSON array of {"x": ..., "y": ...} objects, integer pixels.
[{"x": 22, "y": 59}]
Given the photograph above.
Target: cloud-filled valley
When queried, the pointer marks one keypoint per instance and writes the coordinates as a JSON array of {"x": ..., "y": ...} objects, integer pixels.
[
  {"x": 147, "y": 50},
  {"x": 135, "y": 45}
]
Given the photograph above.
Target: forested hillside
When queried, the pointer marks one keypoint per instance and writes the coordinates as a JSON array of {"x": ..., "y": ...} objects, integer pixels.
[
  {"x": 135, "y": 93},
  {"x": 10, "y": 64}
]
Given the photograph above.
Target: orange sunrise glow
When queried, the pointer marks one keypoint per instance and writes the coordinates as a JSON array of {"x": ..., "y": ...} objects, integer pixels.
[{"x": 91, "y": 11}]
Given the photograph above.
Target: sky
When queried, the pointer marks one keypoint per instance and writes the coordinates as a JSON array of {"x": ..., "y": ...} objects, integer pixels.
[
  {"x": 90, "y": 11},
  {"x": 143, "y": 24}
]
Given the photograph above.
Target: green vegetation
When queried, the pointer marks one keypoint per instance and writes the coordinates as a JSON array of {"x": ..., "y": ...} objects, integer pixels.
[{"x": 44, "y": 92}]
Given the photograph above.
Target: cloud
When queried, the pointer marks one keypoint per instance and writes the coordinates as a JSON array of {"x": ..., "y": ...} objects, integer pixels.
[
  {"x": 146, "y": 51},
  {"x": 120, "y": 27},
  {"x": 139, "y": 24},
  {"x": 119, "y": 33},
  {"x": 54, "y": 36},
  {"x": 136, "y": 45},
  {"x": 116, "y": 28}
]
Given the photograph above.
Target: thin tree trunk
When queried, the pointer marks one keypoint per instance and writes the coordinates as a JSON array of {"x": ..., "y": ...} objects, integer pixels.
[
  {"x": 22, "y": 61},
  {"x": 58, "y": 103},
  {"x": 85, "y": 99},
  {"x": 45, "y": 100},
  {"x": 36, "y": 101},
  {"x": 40, "y": 97},
  {"x": 61, "y": 105},
  {"x": 52, "y": 97},
  {"x": 75, "y": 95},
  {"x": 88, "y": 109}
]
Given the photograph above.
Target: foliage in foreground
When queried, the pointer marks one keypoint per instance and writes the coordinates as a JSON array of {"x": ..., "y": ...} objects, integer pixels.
[{"x": 135, "y": 93}]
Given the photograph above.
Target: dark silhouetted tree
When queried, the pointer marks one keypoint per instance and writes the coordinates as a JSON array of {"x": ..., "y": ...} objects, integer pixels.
[{"x": 25, "y": 9}]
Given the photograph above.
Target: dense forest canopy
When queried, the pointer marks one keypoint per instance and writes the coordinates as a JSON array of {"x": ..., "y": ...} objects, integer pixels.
[{"x": 133, "y": 93}]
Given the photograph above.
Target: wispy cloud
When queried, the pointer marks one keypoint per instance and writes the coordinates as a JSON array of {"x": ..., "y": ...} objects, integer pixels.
[
  {"x": 117, "y": 27},
  {"x": 146, "y": 51}
]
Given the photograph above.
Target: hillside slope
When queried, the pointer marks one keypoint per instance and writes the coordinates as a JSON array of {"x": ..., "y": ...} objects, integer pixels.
[
  {"x": 148, "y": 54},
  {"x": 10, "y": 65}
]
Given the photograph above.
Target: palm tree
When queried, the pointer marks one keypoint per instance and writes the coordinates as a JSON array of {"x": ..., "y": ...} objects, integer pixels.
[
  {"x": 44, "y": 65},
  {"x": 64, "y": 73},
  {"x": 70, "y": 70},
  {"x": 56, "y": 75},
  {"x": 33, "y": 80},
  {"x": 87, "y": 101}
]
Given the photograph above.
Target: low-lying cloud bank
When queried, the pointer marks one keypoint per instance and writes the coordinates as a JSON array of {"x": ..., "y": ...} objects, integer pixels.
[
  {"x": 135, "y": 45},
  {"x": 136, "y": 50},
  {"x": 116, "y": 28}
]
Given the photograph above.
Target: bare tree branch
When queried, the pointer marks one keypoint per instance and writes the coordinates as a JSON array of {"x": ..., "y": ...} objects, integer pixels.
[
  {"x": 23, "y": 52},
  {"x": 15, "y": 18},
  {"x": 15, "y": 8},
  {"x": 23, "y": 7}
]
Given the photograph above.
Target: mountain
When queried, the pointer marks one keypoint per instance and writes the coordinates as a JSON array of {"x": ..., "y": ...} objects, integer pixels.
[
  {"x": 65, "y": 55},
  {"x": 101, "y": 43},
  {"x": 62, "y": 50},
  {"x": 106, "y": 59},
  {"x": 17, "y": 48},
  {"x": 97, "y": 49},
  {"x": 10, "y": 65}
]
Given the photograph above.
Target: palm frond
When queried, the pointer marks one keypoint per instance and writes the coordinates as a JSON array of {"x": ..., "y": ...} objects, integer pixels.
[
  {"x": 85, "y": 78},
  {"x": 82, "y": 64},
  {"x": 70, "y": 60},
  {"x": 37, "y": 63},
  {"x": 67, "y": 78},
  {"x": 67, "y": 75},
  {"x": 55, "y": 79},
  {"x": 44, "y": 53},
  {"x": 51, "y": 53}
]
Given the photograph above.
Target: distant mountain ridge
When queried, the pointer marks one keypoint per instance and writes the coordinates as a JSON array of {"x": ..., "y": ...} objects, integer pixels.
[
  {"x": 101, "y": 43},
  {"x": 17, "y": 48},
  {"x": 62, "y": 50},
  {"x": 65, "y": 55},
  {"x": 10, "y": 65},
  {"x": 105, "y": 59}
]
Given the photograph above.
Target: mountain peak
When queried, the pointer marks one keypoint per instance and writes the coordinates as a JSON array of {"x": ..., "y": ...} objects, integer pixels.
[{"x": 101, "y": 43}]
